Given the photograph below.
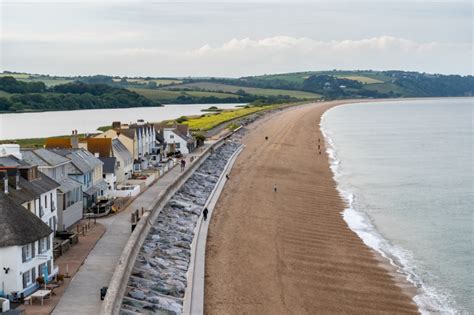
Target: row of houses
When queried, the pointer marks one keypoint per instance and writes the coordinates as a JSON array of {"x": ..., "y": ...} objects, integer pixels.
[{"x": 49, "y": 189}]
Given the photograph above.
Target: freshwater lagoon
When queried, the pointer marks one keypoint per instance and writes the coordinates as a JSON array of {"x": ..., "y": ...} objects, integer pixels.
[{"x": 55, "y": 123}]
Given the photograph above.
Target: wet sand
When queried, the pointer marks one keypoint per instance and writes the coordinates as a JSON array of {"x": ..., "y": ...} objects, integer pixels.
[{"x": 290, "y": 251}]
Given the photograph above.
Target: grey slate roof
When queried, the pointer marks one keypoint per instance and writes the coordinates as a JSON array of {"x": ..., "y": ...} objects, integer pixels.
[
  {"x": 160, "y": 138},
  {"x": 120, "y": 149},
  {"x": 18, "y": 225},
  {"x": 109, "y": 164},
  {"x": 10, "y": 161},
  {"x": 30, "y": 190},
  {"x": 43, "y": 157},
  {"x": 82, "y": 159},
  {"x": 68, "y": 184}
]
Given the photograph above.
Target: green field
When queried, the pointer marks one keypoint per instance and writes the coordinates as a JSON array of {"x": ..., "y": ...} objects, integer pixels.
[
  {"x": 384, "y": 88},
  {"x": 4, "y": 94},
  {"x": 362, "y": 79},
  {"x": 15, "y": 75},
  {"x": 297, "y": 77},
  {"x": 210, "y": 121},
  {"x": 210, "y": 86},
  {"x": 168, "y": 95},
  {"x": 161, "y": 82},
  {"x": 47, "y": 81},
  {"x": 368, "y": 77}
]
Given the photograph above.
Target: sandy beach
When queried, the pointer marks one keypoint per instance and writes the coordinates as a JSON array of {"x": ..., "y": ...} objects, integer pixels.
[{"x": 290, "y": 251}]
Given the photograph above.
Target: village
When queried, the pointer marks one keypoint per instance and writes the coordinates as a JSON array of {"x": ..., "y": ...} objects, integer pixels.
[{"x": 51, "y": 199}]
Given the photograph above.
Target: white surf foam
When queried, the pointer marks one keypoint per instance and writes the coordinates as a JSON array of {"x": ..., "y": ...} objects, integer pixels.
[{"x": 428, "y": 299}]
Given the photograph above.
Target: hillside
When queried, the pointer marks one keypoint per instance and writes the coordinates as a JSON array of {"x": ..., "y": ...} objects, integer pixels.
[
  {"x": 20, "y": 96},
  {"x": 263, "y": 89}
]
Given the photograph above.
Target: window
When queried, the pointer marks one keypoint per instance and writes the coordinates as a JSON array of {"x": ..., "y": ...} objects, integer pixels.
[
  {"x": 53, "y": 205},
  {"x": 41, "y": 210},
  {"x": 46, "y": 201},
  {"x": 171, "y": 136},
  {"x": 178, "y": 145},
  {"x": 41, "y": 270},
  {"x": 43, "y": 245},
  {"x": 27, "y": 279},
  {"x": 28, "y": 252}
]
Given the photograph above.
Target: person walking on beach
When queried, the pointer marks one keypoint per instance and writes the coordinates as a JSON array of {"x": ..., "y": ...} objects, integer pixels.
[
  {"x": 266, "y": 138},
  {"x": 275, "y": 187},
  {"x": 204, "y": 214},
  {"x": 183, "y": 164}
]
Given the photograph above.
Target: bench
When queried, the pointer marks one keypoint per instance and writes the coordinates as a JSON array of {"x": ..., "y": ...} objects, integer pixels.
[{"x": 28, "y": 300}]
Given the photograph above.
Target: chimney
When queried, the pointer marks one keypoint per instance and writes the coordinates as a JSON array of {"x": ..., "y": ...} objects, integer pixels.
[
  {"x": 74, "y": 140},
  {"x": 116, "y": 125},
  {"x": 17, "y": 180},
  {"x": 13, "y": 176}
]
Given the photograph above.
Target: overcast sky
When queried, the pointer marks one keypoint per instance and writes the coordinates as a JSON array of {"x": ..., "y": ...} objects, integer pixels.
[{"x": 234, "y": 38}]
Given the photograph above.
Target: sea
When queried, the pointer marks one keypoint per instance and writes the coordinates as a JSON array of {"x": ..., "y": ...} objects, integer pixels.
[{"x": 405, "y": 169}]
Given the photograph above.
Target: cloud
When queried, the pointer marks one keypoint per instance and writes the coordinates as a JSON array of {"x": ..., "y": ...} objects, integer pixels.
[
  {"x": 248, "y": 56},
  {"x": 285, "y": 53},
  {"x": 279, "y": 44}
]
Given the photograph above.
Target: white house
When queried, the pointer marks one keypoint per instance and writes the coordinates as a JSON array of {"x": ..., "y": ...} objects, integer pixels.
[
  {"x": 109, "y": 169},
  {"x": 177, "y": 138},
  {"x": 28, "y": 220}
]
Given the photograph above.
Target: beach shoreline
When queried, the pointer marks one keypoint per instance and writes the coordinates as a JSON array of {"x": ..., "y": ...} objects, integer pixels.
[{"x": 225, "y": 285}]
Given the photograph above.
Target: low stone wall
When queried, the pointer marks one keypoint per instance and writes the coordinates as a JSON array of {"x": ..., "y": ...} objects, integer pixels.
[{"x": 117, "y": 286}]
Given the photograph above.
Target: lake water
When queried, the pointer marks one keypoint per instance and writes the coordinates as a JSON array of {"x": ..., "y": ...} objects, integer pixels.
[
  {"x": 406, "y": 171},
  {"x": 47, "y": 124}
]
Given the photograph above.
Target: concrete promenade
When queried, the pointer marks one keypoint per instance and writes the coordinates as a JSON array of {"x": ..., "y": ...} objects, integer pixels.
[{"x": 82, "y": 295}]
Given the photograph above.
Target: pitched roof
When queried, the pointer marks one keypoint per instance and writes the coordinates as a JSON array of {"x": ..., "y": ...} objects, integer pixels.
[
  {"x": 30, "y": 190},
  {"x": 103, "y": 146},
  {"x": 18, "y": 225},
  {"x": 121, "y": 150},
  {"x": 109, "y": 164},
  {"x": 82, "y": 159},
  {"x": 43, "y": 157},
  {"x": 58, "y": 143},
  {"x": 183, "y": 129},
  {"x": 129, "y": 133}
]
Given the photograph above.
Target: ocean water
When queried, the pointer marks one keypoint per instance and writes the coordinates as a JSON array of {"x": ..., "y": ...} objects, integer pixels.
[{"x": 405, "y": 169}]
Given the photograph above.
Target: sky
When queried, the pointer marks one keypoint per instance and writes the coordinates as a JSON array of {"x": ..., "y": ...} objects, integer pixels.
[{"x": 165, "y": 38}]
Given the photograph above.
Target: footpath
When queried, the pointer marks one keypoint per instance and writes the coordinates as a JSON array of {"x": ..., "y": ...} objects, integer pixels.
[{"x": 82, "y": 297}]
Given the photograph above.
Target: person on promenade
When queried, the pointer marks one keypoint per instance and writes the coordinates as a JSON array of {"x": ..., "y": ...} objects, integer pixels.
[
  {"x": 183, "y": 164},
  {"x": 204, "y": 214},
  {"x": 275, "y": 187},
  {"x": 227, "y": 176}
]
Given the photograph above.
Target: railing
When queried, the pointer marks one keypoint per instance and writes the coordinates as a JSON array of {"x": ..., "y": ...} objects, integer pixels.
[{"x": 189, "y": 308}]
